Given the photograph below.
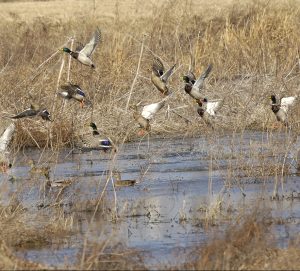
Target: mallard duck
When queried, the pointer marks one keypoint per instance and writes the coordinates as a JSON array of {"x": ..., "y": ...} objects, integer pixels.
[
  {"x": 207, "y": 110},
  {"x": 83, "y": 53},
  {"x": 71, "y": 91},
  {"x": 118, "y": 182},
  {"x": 143, "y": 122},
  {"x": 5, "y": 139},
  {"x": 147, "y": 114},
  {"x": 59, "y": 183},
  {"x": 280, "y": 107},
  {"x": 193, "y": 86},
  {"x": 34, "y": 169},
  {"x": 32, "y": 111},
  {"x": 159, "y": 76},
  {"x": 104, "y": 143}
]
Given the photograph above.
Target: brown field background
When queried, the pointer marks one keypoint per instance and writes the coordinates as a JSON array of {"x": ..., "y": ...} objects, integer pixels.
[{"x": 252, "y": 45}]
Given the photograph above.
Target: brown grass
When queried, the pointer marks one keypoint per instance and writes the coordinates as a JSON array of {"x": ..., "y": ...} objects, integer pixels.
[
  {"x": 247, "y": 246},
  {"x": 253, "y": 48},
  {"x": 17, "y": 230}
]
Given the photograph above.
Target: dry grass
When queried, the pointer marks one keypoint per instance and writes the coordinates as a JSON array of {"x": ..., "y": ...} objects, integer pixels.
[
  {"x": 17, "y": 230},
  {"x": 247, "y": 246},
  {"x": 253, "y": 48}
]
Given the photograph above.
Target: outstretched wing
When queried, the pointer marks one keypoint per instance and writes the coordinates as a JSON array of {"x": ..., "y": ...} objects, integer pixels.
[
  {"x": 6, "y": 137},
  {"x": 287, "y": 102},
  {"x": 200, "y": 81},
  {"x": 79, "y": 47},
  {"x": 213, "y": 107},
  {"x": 158, "y": 67},
  {"x": 150, "y": 110},
  {"x": 89, "y": 48},
  {"x": 167, "y": 74},
  {"x": 29, "y": 112}
]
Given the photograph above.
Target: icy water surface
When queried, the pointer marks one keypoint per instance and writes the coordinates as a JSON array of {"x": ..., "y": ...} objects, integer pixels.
[{"x": 178, "y": 180}]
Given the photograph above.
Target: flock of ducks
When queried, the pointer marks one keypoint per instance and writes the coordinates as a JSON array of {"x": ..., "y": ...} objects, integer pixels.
[{"x": 159, "y": 77}]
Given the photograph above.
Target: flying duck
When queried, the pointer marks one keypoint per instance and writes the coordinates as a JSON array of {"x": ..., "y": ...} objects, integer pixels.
[
  {"x": 159, "y": 77},
  {"x": 32, "y": 111},
  {"x": 83, "y": 53},
  {"x": 194, "y": 86}
]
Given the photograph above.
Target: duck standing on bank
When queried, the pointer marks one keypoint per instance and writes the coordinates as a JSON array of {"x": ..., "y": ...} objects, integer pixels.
[
  {"x": 83, "y": 53},
  {"x": 104, "y": 143}
]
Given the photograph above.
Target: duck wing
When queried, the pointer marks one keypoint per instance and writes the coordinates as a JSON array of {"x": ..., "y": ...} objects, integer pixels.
[
  {"x": 71, "y": 90},
  {"x": 89, "y": 48},
  {"x": 167, "y": 74},
  {"x": 200, "y": 81},
  {"x": 6, "y": 137},
  {"x": 150, "y": 110},
  {"x": 29, "y": 112},
  {"x": 287, "y": 102},
  {"x": 158, "y": 67},
  {"x": 79, "y": 47},
  {"x": 213, "y": 107}
]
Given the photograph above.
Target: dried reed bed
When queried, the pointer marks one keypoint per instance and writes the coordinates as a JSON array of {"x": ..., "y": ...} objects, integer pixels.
[
  {"x": 17, "y": 230},
  {"x": 252, "y": 46},
  {"x": 247, "y": 245}
]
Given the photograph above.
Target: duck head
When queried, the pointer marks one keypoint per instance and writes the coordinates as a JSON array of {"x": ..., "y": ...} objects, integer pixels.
[
  {"x": 273, "y": 99},
  {"x": 185, "y": 79},
  {"x": 93, "y": 125},
  {"x": 66, "y": 50}
]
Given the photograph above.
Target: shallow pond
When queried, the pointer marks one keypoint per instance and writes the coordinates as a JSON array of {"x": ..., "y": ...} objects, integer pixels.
[{"x": 180, "y": 182}]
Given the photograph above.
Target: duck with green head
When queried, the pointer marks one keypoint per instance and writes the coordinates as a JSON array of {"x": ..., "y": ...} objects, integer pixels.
[
  {"x": 83, "y": 53},
  {"x": 104, "y": 143}
]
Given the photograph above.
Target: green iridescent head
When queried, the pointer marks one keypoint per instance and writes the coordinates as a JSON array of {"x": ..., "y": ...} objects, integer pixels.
[{"x": 65, "y": 49}]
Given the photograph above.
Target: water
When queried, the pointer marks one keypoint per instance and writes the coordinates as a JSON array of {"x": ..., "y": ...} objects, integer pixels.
[{"x": 165, "y": 211}]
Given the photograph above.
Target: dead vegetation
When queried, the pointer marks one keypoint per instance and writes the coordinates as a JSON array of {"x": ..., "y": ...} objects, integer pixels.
[
  {"x": 252, "y": 52},
  {"x": 247, "y": 245}
]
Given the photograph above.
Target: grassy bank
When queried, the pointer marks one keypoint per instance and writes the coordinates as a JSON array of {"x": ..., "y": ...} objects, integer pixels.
[{"x": 253, "y": 47}]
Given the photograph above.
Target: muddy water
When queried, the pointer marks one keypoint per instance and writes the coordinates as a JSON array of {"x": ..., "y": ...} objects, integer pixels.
[{"x": 165, "y": 212}]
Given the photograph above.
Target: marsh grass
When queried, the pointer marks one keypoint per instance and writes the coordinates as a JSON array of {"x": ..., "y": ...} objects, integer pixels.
[
  {"x": 252, "y": 51},
  {"x": 246, "y": 245}
]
